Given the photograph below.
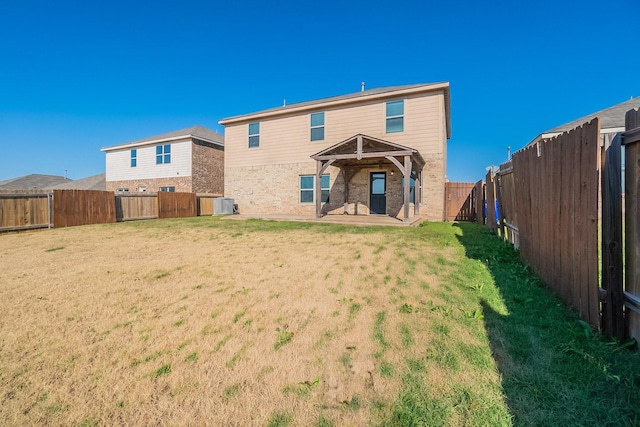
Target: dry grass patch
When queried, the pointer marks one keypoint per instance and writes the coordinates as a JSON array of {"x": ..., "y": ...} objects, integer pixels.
[{"x": 203, "y": 321}]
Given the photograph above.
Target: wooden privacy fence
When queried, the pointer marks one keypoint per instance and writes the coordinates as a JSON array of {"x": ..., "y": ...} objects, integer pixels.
[
  {"x": 82, "y": 207},
  {"x": 131, "y": 207},
  {"x": 548, "y": 196},
  {"x": 25, "y": 211},
  {"x": 478, "y": 191},
  {"x": 459, "y": 201},
  {"x": 176, "y": 205},
  {"x": 630, "y": 297},
  {"x": 505, "y": 193},
  {"x": 64, "y": 208}
]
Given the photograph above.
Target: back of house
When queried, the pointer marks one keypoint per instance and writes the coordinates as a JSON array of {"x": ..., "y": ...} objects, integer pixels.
[{"x": 346, "y": 154}]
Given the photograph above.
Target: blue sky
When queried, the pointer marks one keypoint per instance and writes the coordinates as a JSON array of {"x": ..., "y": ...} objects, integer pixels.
[{"x": 79, "y": 76}]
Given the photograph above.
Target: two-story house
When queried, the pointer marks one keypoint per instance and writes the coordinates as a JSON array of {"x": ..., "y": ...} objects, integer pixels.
[
  {"x": 187, "y": 160},
  {"x": 374, "y": 152}
]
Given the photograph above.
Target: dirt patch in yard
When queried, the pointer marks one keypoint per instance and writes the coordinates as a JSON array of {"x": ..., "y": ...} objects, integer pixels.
[{"x": 161, "y": 323}]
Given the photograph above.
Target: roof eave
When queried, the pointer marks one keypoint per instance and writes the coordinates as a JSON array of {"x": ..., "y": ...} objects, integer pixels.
[
  {"x": 158, "y": 141},
  {"x": 339, "y": 102}
]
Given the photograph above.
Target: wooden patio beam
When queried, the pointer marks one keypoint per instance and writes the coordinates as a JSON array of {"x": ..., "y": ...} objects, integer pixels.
[
  {"x": 417, "y": 193},
  {"x": 363, "y": 155},
  {"x": 397, "y": 163},
  {"x": 318, "y": 189}
]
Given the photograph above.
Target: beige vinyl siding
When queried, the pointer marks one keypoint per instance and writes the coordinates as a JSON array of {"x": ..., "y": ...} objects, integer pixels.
[
  {"x": 118, "y": 163},
  {"x": 266, "y": 179},
  {"x": 286, "y": 139}
]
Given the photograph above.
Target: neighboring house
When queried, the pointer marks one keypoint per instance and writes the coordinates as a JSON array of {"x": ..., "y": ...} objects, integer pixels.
[
  {"x": 345, "y": 154},
  {"x": 611, "y": 122},
  {"x": 33, "y": 182},
  {"x": 94, "y": 182},
  {"x": 187, "y": 160}
]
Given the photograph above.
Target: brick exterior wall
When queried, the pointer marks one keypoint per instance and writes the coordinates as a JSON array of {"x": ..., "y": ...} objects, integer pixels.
[
  {"x": 275, "y": 189},
  {"x": 182, "y": 184},
  {"x": 207, "y": 168}
]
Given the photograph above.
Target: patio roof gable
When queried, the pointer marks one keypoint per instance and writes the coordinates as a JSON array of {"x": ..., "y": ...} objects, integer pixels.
[{"x": 362, "y": 146}]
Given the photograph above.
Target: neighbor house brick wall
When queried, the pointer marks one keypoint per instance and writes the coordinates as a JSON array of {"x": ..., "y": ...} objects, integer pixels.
[
  {"x": 207, "y": 168},
  {"x": 182, "y": 184}
]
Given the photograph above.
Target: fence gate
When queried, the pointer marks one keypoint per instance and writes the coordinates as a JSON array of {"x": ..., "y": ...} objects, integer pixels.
[{"x": 459, "y": 202}]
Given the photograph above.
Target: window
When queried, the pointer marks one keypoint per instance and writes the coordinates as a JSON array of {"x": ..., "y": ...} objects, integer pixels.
[
  {"x": 308, "y": 188},
  {"x": 395, "y": 116},
  {"x": 122, "y": 190},
  {"x": 254, "y": 135},
  {"x": 168, "y": 189},
  {"x": 163, "y": 154},
  {"x": 412, "y": 190},
  {"x": 134, "y": 158},
  {"x": 317, "y": 127}
]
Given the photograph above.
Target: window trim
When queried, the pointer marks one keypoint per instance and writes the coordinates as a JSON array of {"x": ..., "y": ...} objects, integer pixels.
[
  {"x": 316, "y": 127},
  {"x": 133, "y": 158},
  {"x": 163, "y": 154},
  {"x": 393, "y": 117},
  {"x": 255, "y": 135},
  {"x": 312, "y": 190}
]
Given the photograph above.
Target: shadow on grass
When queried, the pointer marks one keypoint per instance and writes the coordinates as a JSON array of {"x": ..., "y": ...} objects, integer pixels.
[{"x": 555, "y": 369}]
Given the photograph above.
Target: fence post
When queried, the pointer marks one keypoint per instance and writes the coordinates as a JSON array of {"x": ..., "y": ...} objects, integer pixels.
[
  {"x": 50, "y": 204},
  {"x": 612, "y": 317}
]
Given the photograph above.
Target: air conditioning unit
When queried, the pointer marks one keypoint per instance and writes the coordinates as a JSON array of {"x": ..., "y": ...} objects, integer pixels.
[{"x": 223, "y": 206}]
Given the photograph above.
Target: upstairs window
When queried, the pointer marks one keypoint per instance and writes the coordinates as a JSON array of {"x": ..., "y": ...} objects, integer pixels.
[
  {"x": 308, "y": 188},
  {"x": 254, "y": 135},
  {"x": 163, "y": 154},
  {"x": 395, "y": 116},
  {"x": 134, "y": 158},
  {"x": 317, "y": 127}
]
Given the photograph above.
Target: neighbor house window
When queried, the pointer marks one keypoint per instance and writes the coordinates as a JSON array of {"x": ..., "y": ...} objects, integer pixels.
[
  {"x": 254, "y": 135},
  {"x": 134, "y": 158},
  {"x": 412, "y": 189},
  {"x": 163, "y": 154},
  {"x": 395, "y": 116},
  {"x": 168, "y": 189},
  {"x": 308, "y": 188},
  {"x": 122, "y": 190},
  {"x": 317, "y": 126}
]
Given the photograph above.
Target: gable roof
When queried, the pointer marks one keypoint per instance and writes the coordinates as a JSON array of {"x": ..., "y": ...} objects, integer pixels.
[
  {"x": 95, "y": 182},
  {"x": 33, "y": 181},
  {"x": 198, "y": 132},
  {"x": 611, "y": 120},
  {"x": 359, "y": 147},
  {"x": 362, "y": 96}
]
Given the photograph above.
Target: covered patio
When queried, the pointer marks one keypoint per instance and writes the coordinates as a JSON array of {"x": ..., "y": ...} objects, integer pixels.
[
  {"x": 355, "y": 220},
  {"x": 363, "y": 151}
]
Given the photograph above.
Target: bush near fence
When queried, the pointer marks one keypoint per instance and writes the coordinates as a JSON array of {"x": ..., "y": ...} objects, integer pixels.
[{"x": 65, "y": 208}]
